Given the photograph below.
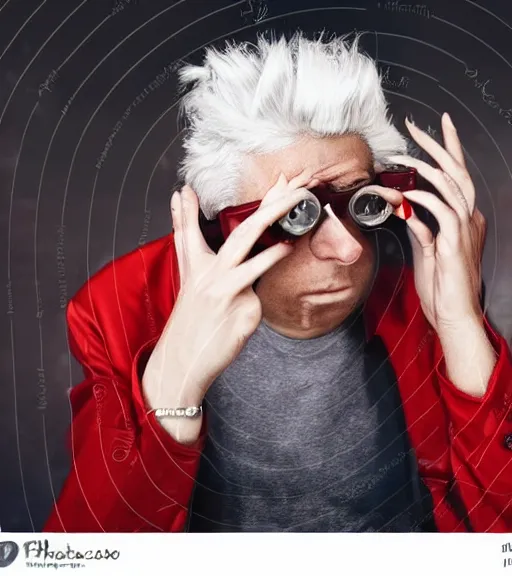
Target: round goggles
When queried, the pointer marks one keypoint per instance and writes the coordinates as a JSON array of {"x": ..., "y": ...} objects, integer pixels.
[{"x": 365, "y": 207}]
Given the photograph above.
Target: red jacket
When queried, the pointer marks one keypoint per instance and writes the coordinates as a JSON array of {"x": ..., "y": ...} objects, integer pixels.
[{"x": 129, "y": 475}]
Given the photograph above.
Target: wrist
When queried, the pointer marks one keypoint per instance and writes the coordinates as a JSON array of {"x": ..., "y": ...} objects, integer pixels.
[
  {"x": 468, "y": 355},
  {"x": 170, "y": 396},
  {"x": 164, "y": 386},
  {"x": 184, "y": 430},
  {"x": 472, "y": 323}
]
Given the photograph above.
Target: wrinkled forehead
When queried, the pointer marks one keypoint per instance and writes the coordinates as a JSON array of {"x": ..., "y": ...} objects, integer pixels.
[
  {"x": 337, "y": 160},
  {"x": 326, "y": 155}
]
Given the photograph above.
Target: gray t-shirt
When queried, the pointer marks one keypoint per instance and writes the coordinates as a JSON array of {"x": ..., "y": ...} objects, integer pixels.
[{"x": 307, "y": 435}]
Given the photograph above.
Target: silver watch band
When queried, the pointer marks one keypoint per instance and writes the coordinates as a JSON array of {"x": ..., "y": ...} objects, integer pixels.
[{"x": 188, "y": 412}]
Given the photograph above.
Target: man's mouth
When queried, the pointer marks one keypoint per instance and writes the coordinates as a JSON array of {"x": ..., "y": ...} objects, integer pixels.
[{"x": 331, "y": 290}]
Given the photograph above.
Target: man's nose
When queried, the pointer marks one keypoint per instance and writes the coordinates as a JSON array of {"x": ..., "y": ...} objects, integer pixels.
[{"x": 333, "y": 240}]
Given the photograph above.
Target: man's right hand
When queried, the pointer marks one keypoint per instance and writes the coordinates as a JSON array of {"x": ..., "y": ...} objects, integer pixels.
[{"x": 216, "y": 310}]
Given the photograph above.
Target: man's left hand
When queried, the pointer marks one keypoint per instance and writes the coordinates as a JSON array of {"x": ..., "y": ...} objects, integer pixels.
[{"x": 447, "y": 267}]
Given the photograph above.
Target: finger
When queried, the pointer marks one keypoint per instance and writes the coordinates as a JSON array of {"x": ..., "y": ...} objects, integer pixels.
[
  {"x": 302, "y": 180},
  {"x": 423, "y": 254},
  {"x": 278, "y": 189},
  {"x": 248, "y": 272},
  {"x": 283, "y": 186},
  {"x": 192, "y": 236},
  {"x": 240, "y": 242},
  {"x": 451, "y": 139},
  {"x": 420, "y": 235},
  {"x": 394, "y": 197},
  {"x": 447, "y": 219},
  {"x": 401, "y": 206},
  {"x": 179, "y": 243},
  {"x": 436, "y": 177},
  {"x": 446, "y": 161}
]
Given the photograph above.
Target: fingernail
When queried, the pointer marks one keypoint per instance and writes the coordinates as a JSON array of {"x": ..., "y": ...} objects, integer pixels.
[
  {"x": 409, "y": 119},
  {"x": 449, "y": 120},
  {"x": 404, "y": 211}
]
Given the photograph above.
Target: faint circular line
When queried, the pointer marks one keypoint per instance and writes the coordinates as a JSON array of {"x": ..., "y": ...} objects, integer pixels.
[
  {"x": 126, "y": 74},
  {"x": 36, "y": 55},
  {"x": 12, "y": 321},
  {"x": 475, "y": 37},
  {"x": 166, "y": 149},
  {"x": 433, "y": 46},
  {"x": 410, "y": 70},
  {"x": 17, "y": 426},
  {"x": 490, "y": 13},
  {"x": 46, "y": 157},
  {"x": 20, "y": 29},
  {"x": 91, "y": 33},
  {"x": 62, "y": 116},
  {"x": 4, "y": 5},
  {"x": 38, "y": 202},
  {"x": 496, "y": 238},
  {"x": 35, "y": 252}
]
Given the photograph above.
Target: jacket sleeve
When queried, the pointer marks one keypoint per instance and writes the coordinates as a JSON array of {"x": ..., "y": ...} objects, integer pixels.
[
  {"x": 481, "y": 442},
  {"x": 127, "y": 473}
]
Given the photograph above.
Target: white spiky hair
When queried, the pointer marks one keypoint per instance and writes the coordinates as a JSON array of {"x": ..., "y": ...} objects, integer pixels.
[{"x": 250, "y": 99}]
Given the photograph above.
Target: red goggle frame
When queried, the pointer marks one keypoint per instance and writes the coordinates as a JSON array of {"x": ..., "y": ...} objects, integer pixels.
[{"x": 217, "y": 231}]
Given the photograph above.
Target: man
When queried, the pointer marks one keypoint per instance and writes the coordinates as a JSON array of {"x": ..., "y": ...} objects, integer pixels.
[{"x": 325, "y": 391}]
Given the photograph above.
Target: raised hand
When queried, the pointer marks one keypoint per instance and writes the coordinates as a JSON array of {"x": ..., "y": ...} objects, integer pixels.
[
  {"x": 216, "y": 310},
  {"x": 447, "y": 268}
]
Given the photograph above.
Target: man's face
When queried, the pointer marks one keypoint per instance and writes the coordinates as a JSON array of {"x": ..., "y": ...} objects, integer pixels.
[{"x": 335, "y": 256}]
